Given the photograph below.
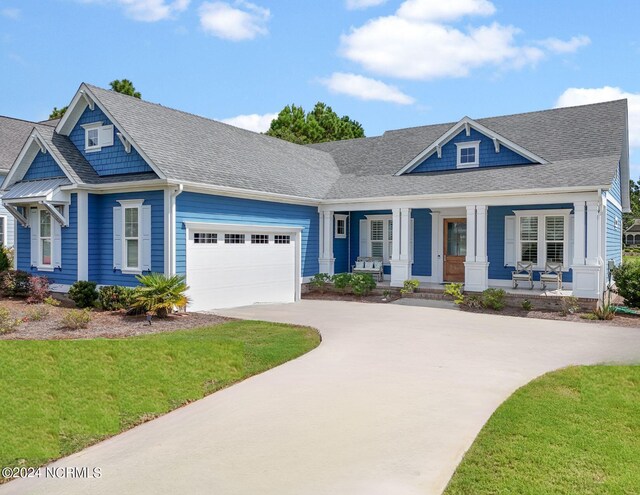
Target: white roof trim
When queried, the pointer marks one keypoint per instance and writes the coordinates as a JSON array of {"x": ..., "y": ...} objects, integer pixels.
[
  {"x": 25, "y": 159},
  {"x": 77, "y": 106},
  {"x": 467, "y": 124},
  {"x": 242, "y": 228}
]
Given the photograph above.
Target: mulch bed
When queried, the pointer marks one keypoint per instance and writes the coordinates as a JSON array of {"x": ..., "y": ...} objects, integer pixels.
[
  {"x": 619, "y": 320},
  {"x": 104, "y": 324}
]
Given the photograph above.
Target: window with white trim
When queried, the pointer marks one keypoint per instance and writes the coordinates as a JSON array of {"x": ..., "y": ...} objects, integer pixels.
[
  {"x": 132, "y": 237},
  {"x": 542, "y": 236},
  {"x": 97, "y": 136},
  {"x": 468, "y": 154},
  {"x": 281, "y": 239},
  {"x": 340, "y": 226},
  {"x": 259, "y": 239},
  {"x": 234, "y": 238},
  {"x": 205, "y": 238},
  {"x": 45, "y": 239},
  {"x": 381, "y": 238}
]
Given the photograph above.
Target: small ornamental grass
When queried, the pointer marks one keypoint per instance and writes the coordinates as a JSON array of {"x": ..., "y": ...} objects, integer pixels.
[
  {"x": 494, "y": 299},
  {"x": 37, "y": 313},
  {"x": 75, "y": 319},
  {"x": 7, "y": 322}
]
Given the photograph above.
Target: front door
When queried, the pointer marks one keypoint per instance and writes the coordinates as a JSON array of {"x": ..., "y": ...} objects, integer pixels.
[{"x": 455, "y": 249}]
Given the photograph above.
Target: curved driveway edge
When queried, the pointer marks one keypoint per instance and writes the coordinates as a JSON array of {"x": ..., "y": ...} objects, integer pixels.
[{"x": 387, "y": 404}]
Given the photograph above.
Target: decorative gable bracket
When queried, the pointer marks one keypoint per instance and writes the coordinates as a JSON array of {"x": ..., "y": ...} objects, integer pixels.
[
  {"x": 125, "y": 142},
  {"x": 88, "y": 99},
  {"x": 38, "y": 141},
  {"x": 467, "y": 124},
  {"x": 22, "y": 220},
  {"x": 55, "y": 213}
]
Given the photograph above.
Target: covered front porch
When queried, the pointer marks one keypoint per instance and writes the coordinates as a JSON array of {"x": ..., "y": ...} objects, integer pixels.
[{"x": 478, "y": 245}]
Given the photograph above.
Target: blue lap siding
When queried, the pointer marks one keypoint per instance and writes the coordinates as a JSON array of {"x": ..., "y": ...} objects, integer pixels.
[
  {"x": 101, "y": 236},
  {"x": 488, "y": 155},
  {"x": 110, "y": 160},
  {"x": 495, "y": 239},
  {"x": 614, "y": 223},
  {"x": 69, "y": 270},
  {"x": 196, "y": 207}
]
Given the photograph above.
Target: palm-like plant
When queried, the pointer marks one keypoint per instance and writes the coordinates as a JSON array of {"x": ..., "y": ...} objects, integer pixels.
[{"x": 160, "y": 294}]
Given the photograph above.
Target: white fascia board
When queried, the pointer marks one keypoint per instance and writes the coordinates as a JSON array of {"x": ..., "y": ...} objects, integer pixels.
[
  {"x": 73, "y": 113},
  {"x": 25, "y": 158},
  {"x": 463, "y": 124},
  {"x": 248, "y": 194},
  {"x": 242, "y": 228}
]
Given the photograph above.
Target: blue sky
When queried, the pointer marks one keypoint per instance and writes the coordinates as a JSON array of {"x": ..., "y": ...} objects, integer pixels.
[{"x": 388, "y": 64}]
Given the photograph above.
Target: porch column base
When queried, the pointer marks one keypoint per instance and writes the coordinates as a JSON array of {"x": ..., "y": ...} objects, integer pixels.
[
  {"x": 400, "y": 271},
  {"x": 476, "y": 275},
  {"x": 587, "y": 281},
  {"x": 327, "y": 265}
]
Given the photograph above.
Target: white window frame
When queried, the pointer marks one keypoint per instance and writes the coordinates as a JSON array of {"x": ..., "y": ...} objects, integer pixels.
[
  {"x": 99, "y": 128},
  {"x": 3, "y": 238},
  {"x": 387, "y": 239},
  {"x": 41, "y": 264},
  {"x": 337, "y": 219},
  {"x": 542, "y": 241},
  {"x": 126, "y": 205},
  {"x": 466, "y": 145}
]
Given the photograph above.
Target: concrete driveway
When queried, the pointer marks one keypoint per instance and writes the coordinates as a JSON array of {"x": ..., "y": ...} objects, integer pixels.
[{"x": 387, "y": 404}]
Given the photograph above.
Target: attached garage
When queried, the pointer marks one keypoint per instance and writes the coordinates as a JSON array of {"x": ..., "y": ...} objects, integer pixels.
[{"x": 232, "y": 265}]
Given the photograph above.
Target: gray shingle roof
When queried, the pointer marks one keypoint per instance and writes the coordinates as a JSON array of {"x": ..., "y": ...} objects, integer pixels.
[
  {"x": 13, "y": 135},
  {"x": 191, "y": 148}
]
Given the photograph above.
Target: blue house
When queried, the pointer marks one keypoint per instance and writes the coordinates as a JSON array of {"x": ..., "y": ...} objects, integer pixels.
[{"x": 121, "y": 187}]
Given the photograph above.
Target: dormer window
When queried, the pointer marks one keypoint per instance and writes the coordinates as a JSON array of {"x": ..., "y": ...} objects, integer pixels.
[
  {"x": 468, "y": 154},
  {"x": 97, "y": 136}
]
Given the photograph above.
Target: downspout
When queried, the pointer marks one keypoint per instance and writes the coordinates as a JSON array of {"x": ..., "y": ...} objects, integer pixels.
[{"x": 172, "y": 228}]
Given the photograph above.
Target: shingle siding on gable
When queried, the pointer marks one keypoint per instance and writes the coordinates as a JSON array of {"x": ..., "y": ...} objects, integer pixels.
[
  {"x": 69, "y": 272},
  {"x": 488, "y": 155},
  {"x": 196, "y": 207},
  {"x": 101, "y": 238},
  {"x": 43, "y": 166},
  {"x": 111, "y": 160},
  {"x": 614, "y": 234},
  {"x": 615, "y": 187},
  {"x": 495, "y": 239}
]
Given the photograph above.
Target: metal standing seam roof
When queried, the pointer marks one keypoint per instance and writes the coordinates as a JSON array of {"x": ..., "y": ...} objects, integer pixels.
[{"x": 34, "y": 188}]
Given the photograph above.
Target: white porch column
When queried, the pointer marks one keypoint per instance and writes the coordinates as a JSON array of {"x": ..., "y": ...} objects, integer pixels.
[
  {"x": 587, "y": 277},
  {"x": 400, "y": 262},
  {"x": 326, "y": 261},
  {"x": 83, "y": 235},
  {"x": 436, "y": 246},
  {"x": 476, "y": 266}
]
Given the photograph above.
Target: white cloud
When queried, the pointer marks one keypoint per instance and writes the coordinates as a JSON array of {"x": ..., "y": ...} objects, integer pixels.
[
  {"x": 556, "y": 45},
  {"x": 252, "y": 122},
  {"x": 237, "y": 22},
  {"x": 420, "y": 42},
  {"x": 10, "y": 13},
  {"x": 365, "y": 88},
  {"x": 363, "y": 4},
  {"x": 584, "y": 96},
  {"x": 147, "y": 10},
  {"x": 430, "y": 10}
]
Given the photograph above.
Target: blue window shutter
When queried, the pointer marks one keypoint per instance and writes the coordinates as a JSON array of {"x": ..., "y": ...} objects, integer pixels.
[
  {"x": 56, "y": 245},
  {"x": 364, "y": 238},
  {"x": 146, "y": 238},
  {"x": 106, "y": 135},
  {"x": 34, "y": 225},
  {"x": 510, "y": 240},
  {"x": 117, "y": 238}
]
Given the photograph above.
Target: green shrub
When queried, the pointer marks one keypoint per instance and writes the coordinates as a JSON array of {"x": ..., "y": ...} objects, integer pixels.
[
  {"x": 569, "y": 305},
  {"x": 473, "y": 302},
  {"x": 14, "y": 283},
  {"x": 38, "y": 312},
  {"x": 83, "y": 293},
  {"x": 320, "y": 281},
  {"x": 455, "y": 290},
  {"x": 386, "y": 294},
  {"x": 51, "y": 301},
  {"x": 627, "y": 279},
  {"x": 409, "y": 286},
  {"x": 526, "y": 305},
  {"x": 160, "y": 294},
  {"x": 7, "y": 322},
  {"x": 493, "y": 298},
  {"x": 341, "y": 280},
  {"x": 6, "y": 259},
  {"x": 75, "y": 319},
  {"x": 115, "y": 297},
  {"x": 362, "y": 283},
  {"x": 38, "y": 289}
]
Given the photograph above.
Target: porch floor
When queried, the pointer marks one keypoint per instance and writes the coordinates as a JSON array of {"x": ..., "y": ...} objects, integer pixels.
[{"x": 536, "y": 291}]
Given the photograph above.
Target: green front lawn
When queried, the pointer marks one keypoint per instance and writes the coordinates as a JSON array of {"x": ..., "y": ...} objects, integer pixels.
[
  {"x": 59, "y": 396},
  {"x": 574, "y": 431}
]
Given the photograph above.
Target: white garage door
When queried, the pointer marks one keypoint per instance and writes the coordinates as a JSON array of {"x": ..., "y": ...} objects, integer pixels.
[{"x": 227, "y": 268}]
